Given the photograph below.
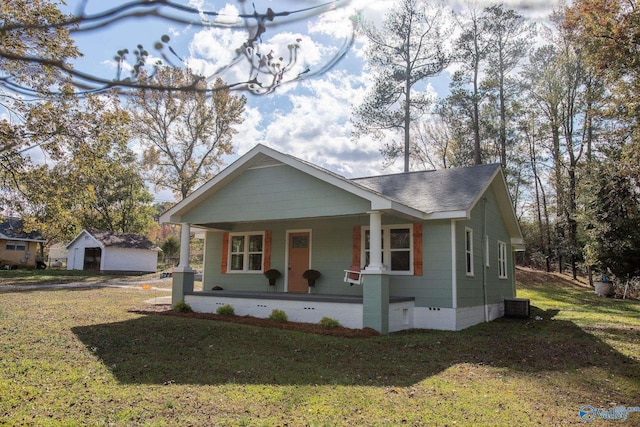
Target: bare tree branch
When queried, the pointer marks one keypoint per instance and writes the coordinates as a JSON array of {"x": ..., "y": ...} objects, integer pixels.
[{"x": 266, "y": 72}]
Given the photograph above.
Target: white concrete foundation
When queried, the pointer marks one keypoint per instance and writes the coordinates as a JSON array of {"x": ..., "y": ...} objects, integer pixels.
[{"x": 402, "y": 315}]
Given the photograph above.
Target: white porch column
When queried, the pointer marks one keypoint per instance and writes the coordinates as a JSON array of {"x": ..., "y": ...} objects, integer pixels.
[
  {"x": 185, "y": 233},
  {"x": 183, "y": 275},
  {"x": 375, "y": 242}
]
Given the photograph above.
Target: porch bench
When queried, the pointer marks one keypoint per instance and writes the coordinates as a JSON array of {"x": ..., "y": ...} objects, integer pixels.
[{"x": 354, "y": 277}]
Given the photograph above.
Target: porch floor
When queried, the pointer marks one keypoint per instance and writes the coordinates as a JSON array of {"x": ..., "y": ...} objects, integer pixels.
[{"x": 289, "y": 296}]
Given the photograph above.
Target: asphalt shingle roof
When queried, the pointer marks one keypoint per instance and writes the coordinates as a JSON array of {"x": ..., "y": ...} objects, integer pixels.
[
  {"x": 12, "y": 229},
  {"x": 122, "y": 240},
  {"x": 433, "y": 191}
]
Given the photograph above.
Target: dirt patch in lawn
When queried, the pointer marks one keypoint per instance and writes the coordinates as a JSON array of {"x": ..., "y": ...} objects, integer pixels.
[{"x": 313, "y": 328}]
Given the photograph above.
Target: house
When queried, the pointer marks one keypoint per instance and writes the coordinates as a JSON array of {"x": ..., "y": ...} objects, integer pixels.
[
  {"x": 427, "y": 249},
  {"x": 109, "y": 251},
  {"x": 17, "y": 247},
  {"x": 57, "y": 255}
]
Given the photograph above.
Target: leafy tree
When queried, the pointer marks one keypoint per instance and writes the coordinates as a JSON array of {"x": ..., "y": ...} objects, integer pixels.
[
  {"x": 430, "y": 142},
  {"x": 94, "y": 181},
  {"x": 407, "y": 50},
  {"x": 170, "y": 247},
  {"x": 29, "y": 29},
  {"x": 608, "y": 34},
  {"x": 611, "y": 217},
  {"x": 456, "y": 113},
  {"x": 471, "y": 50},
  {"x": 511, "y": 38},
  {"x": 184, "y": 134}
]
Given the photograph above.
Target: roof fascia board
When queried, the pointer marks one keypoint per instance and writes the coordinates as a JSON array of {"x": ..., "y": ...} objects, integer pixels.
[
  {"x": 75, "y": 238},
  {"x": 227, "y": 173},
  {"x": 15, "y": 239},
  {"x": 512, "y": 211},
  {"x": 378, "y": 201},
  {"x": 464, "y": 214},
  {"x": 505, "y": 190},
  {"x": 484, "y": 189},
  {"x": 100, "y": 244},
  {"x": 20, "y": 239}
]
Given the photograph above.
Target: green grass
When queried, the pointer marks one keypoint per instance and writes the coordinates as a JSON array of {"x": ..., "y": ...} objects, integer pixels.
[{"x": 78, "y": 357}]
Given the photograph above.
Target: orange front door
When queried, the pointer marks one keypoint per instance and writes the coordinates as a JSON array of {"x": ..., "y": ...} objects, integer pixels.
[{"x": 299, "y": 247}]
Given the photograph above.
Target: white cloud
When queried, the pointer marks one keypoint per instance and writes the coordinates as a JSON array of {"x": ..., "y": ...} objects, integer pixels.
[
  {"x": 250, "y": 132},
  {"x": 317, "y": 128},
  {"x": 228, "y": 15},
  {"x": 219, "y": 52}
]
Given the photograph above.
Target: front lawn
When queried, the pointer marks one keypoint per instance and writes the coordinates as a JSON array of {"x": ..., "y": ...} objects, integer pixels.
[{"x": 78, "y": 357}]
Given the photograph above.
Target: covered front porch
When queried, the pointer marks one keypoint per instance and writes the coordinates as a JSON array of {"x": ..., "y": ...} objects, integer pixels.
[
  {"x": 307, "y": 308},
  {"x": 365, "y": 303}
]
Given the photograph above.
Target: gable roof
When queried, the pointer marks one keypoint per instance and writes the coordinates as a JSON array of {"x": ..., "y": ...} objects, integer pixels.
[
  {"x": 262, "y": 156},
  {"x": 446, "y": 190},
  {"x": 447, "y": 193},
  {"x": 118, "y": 240},
  {"x": 12, "y": 229}
]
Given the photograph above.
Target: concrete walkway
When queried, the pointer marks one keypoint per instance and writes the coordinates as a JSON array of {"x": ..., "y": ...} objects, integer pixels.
[{"x": 129, "y": 285}]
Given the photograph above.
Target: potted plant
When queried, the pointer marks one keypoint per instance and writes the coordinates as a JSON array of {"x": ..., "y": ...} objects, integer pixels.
[
  {"x": 272, "y": 275},
  {"x": 311, "y": 276}
]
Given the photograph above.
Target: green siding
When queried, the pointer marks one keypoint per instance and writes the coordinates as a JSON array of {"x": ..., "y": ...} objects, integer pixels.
[
  {"x": 331, "y": 255},
  {"x": 274, "y": 193},
  {"x": 433, "y": 288},
  {"x": 470, "y": 289}
]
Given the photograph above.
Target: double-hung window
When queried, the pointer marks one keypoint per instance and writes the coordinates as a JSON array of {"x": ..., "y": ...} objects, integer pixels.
[
  {"x": 246, "y": 252},
  {"x": 468, "y": 250},
  {"x": 397, "y": 248},
  {"x": 16, "y": 246},
  {"x": 502, "y": 260}
]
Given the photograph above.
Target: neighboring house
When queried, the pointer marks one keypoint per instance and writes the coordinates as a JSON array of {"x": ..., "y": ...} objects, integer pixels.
[
  {"x": 429, "y": 249},
  {"x": 17, "y": 247},
  {"x": 109, "y": 251},
  {"x": 57, "y": 255}
]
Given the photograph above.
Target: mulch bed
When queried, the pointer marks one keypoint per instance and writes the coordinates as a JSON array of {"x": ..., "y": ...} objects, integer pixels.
[{"x": 312, "y": 328}]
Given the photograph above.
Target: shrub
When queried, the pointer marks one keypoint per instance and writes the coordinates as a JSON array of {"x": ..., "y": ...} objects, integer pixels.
[
  {"x": 278, "y": 315},
  {"x": 329, "y": 323},
  {"x": 182, "y": 307},
  {"x": 225, "y": 310}
]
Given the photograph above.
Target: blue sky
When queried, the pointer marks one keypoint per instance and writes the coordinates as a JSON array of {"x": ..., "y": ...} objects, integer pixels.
[{"x": 310, "y": 118}]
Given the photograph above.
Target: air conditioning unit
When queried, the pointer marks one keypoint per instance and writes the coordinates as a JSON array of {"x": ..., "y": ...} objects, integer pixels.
[{"x": 517, "y": 307}]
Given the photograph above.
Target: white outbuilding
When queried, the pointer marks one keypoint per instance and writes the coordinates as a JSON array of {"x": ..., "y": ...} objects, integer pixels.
[{"x": 109, "y": 251}]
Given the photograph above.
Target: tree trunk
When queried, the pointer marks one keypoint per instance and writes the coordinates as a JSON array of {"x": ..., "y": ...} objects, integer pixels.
[
  {"x": 503, "y": 119},
  {"x": 477, "y": 155}
]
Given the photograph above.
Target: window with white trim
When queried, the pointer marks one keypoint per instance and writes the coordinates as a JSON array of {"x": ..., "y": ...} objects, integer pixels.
[
  {"x": 397, "y": 248},
  {"x": 246, "y": 252},
  {"x": 502, "y": 260},
  {"x": 468, "y": 250},
  {"x": 16, "y": 246}
]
